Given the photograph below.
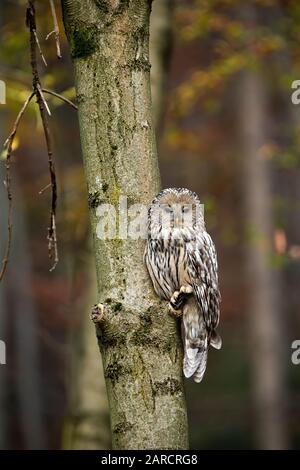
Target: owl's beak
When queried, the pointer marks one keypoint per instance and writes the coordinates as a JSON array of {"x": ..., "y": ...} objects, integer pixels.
[{"x": 177, "y": 222}]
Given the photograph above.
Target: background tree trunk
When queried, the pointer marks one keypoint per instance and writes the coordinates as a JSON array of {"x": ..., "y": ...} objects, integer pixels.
[
  {"x": 3, "y": 316},
  {"x": 87, "y": 424},
  {"x": 141, "y": 346},
  {"x": 264, "y": 311},
  {"x": 18, "y": 324},
  {"x": 160, "y": 45},
  {"x": 3, "y": 297},
  {"x": 25, "y": 335},
  {"x": 19, "y": 319}
]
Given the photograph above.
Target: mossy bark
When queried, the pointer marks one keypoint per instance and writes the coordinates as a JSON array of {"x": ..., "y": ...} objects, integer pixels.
[{"x": 140, "y": 344}]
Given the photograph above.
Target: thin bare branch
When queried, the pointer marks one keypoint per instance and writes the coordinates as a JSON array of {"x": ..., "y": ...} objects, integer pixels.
[
  {"x": 39, "y": 48},
  {"x": 61, "y": 97},
  {"x": 43, "y": 98},
  {"x": 49, "y": 35},
  {"x": 9, "y": 141},
  {"x": 41, "y": 191},
  {"x": 52, "y": 242},
  {"x": 56, "y": 30},
  {"x": 8, "y": 146},
  {"x": 43, "y": 107}
]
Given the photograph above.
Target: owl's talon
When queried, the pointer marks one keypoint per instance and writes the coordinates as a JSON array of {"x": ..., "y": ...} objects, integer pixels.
[
  {"x": 97, "y": 313},
  {"x": 178, "y": 297},
  {"x": 176, "y": 300},
  {"x": 174, "y": 297},
  {"x": 177, "y": 313},
  {"x": 186, "y": 290}
]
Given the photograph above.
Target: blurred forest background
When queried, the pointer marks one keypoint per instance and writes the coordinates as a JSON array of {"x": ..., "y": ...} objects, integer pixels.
[{"x": 227, "y": 129}]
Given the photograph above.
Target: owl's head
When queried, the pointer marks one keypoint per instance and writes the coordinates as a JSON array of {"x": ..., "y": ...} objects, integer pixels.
[{"x": 176, "y": 212}]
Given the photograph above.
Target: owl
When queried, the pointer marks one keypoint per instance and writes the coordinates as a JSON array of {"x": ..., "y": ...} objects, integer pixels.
[{"x": 181, "y": 260}]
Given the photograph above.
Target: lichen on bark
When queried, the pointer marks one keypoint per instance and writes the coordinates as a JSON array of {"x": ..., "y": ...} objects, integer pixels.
[{"x": 140, "y": 344}]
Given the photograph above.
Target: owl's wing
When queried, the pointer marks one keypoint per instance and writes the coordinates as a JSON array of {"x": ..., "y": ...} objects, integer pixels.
[
  {"x": 156, "y": 265},
  {"x": 203, "y": 270}
]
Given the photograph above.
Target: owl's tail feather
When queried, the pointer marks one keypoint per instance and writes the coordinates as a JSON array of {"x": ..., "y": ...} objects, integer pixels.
[
  {"x": 198, "y": 375},
  {"x": 193, "y": 357},
  {"x": 196, "y": 366},
  {"x": 215, "y": 340},
  {"x": 195, "y": 342}
]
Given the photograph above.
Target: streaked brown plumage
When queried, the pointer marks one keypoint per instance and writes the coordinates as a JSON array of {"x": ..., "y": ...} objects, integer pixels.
[{"x": 181, "y": 259}]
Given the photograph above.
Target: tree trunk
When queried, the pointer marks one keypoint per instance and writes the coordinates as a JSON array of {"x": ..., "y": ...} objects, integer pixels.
[
  {"x": 4, "y": 311},
  {"x": 25, "y": 335},
  {"x": 3, "y": 302},
  {"x": 160, "y": 45},
  {"x": 18, "y": 314},
  {"x": 264, "y": 304},
  {"x": 140, "y": 344},
  {"x": 87, "y": 425}
]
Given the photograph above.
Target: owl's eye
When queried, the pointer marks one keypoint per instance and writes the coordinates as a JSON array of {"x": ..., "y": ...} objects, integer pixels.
[
  {"x": 168, "y": 209},
  {"x": 186, "y": 209}
]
